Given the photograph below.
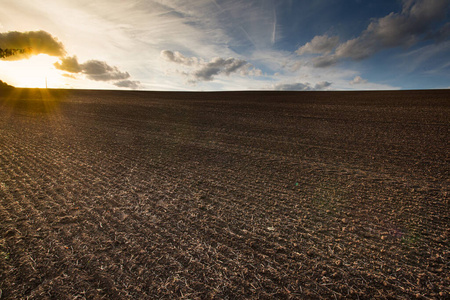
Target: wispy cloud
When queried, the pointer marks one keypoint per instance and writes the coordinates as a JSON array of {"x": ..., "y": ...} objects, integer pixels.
[
  {"x": 232, "y": 44},
  {"x": 274, "y": 31},
  {"x": 423, "y": 57}
]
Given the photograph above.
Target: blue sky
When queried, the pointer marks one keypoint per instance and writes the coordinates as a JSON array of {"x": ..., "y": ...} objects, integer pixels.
[{"x": 227, "y": 45}]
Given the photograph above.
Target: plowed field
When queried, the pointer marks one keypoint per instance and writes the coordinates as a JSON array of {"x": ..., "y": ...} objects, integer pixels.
[{"x": 237, "y": 195}]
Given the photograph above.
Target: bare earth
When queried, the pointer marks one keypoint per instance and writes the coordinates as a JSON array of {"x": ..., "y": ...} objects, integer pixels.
[{"x": 148, "y": 195}]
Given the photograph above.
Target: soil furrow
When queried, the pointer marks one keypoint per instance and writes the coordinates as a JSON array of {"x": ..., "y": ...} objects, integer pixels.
[{"x": 153, "y": 195}]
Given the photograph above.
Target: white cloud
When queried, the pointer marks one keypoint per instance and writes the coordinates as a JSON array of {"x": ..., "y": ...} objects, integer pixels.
[
  {"x": 30, "y": 43},
  {"x": 221, "y": 44},
  {"x": 319, "y": 44},
  {"x": 69, "y": 64},
  {"x": 324, "y": 61},
  {"x": 395, "y": 29},
  {"x": 101, "y": 71},
  {"x": 322, "y": 85},
  {"x": 292, "y": 86},
  {"x": 302, "y": 86},
  {"x": 218, "y": 65},
  {"x": 205, "y": 71},
  {"x": 133, "y": 84},
  {"x": 179, "y": 58},
  {"x": 358, "y": 80},
  {"x": 94, "y": 70},
  {"x": 337, "y": 78},
  {"x": 405, "y": 29}
]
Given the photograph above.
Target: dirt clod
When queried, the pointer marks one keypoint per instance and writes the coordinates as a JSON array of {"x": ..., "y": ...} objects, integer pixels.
[{"x": 240, "y": 195}]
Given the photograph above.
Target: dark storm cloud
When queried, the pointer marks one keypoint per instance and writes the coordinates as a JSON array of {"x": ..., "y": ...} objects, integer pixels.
[
  {"x": 404, "y": 29},
  {"x": 302, "y": 86},
  {"x": 132, "y": 84},
  {"x": 31, "y": 43},
  {"x": 93, "y": 69},
  {"x": 205, "y": 71}
]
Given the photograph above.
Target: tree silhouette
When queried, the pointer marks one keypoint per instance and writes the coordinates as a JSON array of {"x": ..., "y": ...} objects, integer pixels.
[
  {"x": 4, "y": 53},
  {"x": 10, "y": 52},
  {"x": 4, "y": 85}
]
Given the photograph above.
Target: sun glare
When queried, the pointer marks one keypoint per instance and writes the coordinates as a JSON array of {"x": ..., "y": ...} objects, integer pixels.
[{"x": 36, "y": 72}]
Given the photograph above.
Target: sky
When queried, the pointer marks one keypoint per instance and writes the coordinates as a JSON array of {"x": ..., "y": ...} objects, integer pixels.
[{"x": 220, "y": 45}]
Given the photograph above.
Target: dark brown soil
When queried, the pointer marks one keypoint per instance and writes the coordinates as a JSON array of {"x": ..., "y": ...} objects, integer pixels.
[{"x": 149, "y": 195}]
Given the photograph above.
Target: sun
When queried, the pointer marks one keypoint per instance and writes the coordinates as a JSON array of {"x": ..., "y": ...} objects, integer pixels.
[{"x": 35, "y": 72}]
